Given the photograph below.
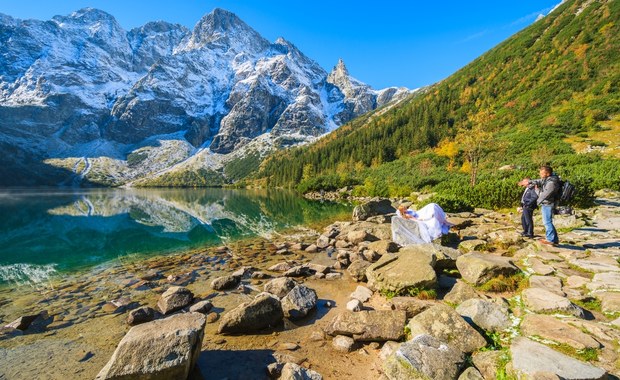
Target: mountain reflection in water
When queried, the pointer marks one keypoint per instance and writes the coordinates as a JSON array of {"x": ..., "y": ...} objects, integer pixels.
[{"x": 70, "y": 230}]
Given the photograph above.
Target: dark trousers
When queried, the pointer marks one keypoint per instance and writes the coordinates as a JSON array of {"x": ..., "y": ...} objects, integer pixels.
[{"x": 527, "y": 221}]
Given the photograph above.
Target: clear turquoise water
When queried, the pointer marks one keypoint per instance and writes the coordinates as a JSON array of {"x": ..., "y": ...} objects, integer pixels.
[{"x": 49, "y": 231}]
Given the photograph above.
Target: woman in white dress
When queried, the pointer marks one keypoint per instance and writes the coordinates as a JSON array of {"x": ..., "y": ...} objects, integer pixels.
[{"x": 422, "y": 226}]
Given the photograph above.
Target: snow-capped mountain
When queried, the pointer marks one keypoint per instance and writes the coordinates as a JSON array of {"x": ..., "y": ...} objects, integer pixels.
[{"x": 82, "y": 100}]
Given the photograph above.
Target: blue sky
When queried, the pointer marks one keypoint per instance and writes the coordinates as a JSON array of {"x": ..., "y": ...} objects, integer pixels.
[{"x": 383, "y": 43}]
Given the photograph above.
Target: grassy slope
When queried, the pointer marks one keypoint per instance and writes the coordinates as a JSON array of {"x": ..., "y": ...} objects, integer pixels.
[{"x": 558, "y": 77}]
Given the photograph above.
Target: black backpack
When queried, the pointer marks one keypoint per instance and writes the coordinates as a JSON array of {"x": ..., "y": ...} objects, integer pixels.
[{"x": 566, "y": 192}]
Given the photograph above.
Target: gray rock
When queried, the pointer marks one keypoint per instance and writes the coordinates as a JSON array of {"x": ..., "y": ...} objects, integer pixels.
[
  {"x": 408, "y": 270},
  {"x": 471, "y": 373},
  {"x": 298, "y": 271},
  {"x": 361, "y": 293},
  {"x": 445, "y": 257},
  {"x": 356, "y": 237},
  {"x": 318, "y": 268},
  {"x": 262, "y": 312},
  {"x": 445, "y": 324},
  {"x": 343, "y": 343},
  {"x": 383, "y": 247},
  {"x": 175, "y": 298},
  {"x": 461, "y": 292},
  {"x": 549, "y": 327},
  {"x": 605, "y": 281},
  {"x": 472, "y": 245},
  {"x": 280, "y": 286},
  {"x": 597, "y": 264},
  {"x": 225, "y": 282},
  {"x": 485, "y": 314},
  {"x": 487, "y": 362},
  {"x": 312, "y": 248},
  {"x": 610, "y": 301},
  {"x": 552, "y": 284},
  {"x": 529, "y": 358},
  {"x": 410, "y": 305},
  {"x": 22, "y": 323},
  {"x": 280, "y": 267},
  {"x": 141, "y": 315},
  {"x": 323, "y": 242},
  {"x": 575, "y": 282},
  {"x": 424, "y": 357},
  {"x": 333, "y": 276},
  {"x": 357, "y": 270},
  {"x": 541, "y": 268},
  {"x": 354, "y": 305},
  {"x": 544, "y": 301},
  {"x": 372, "y": 208},
  {"x": 388, "y": 349},
  {"x": 478, "y": 268},
  {"x": 298, "y": 302},
  {"x": 292, "y": 371},
  {"x": 201, "y": 307},
  {"x": 369, "y": 325},
  {"x": 163, "y": 349}
]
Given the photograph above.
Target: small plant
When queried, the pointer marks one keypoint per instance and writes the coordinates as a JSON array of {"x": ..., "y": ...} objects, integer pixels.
[
  {"x": 503, "y": 283},
  {"x": 598, "y": 144}
]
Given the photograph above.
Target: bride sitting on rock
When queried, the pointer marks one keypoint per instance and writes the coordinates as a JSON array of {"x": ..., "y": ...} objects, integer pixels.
[{"x": 417, "y": 227}]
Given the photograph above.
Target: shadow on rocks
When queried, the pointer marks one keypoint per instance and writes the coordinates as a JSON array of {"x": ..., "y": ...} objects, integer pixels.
[
  {"x": 314, "y": 315},
  {"x": 232, "y": 364}
]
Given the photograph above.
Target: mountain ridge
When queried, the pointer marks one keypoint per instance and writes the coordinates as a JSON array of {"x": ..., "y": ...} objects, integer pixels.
[{"x": 80, "y": 89}]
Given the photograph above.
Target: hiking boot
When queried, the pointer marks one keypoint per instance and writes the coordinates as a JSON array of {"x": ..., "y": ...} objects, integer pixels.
[{"x": 547, "y": 242}]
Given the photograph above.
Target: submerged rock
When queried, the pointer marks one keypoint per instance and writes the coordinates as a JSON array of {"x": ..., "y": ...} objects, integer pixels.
[{"x": 225, "y": 282}]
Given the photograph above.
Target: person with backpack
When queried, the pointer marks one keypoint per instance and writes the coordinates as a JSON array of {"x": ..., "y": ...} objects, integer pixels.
[
  {"x": 528, "y": 205},
  {"x": 548, "y": 187}
]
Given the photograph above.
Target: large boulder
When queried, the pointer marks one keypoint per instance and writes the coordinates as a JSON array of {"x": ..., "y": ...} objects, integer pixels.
[
  {"x": 298, "y": 302},
  {"x": 408, "y": 270},
  {"x": 369, "y": 325},
  {"x": 371, "y": 208},
  {"x": 175, "y": 298},
  {"x": 478, "y": 268},
  {"x": 280, "y": 287},
  {"x": 543, "y": 301},
  {"x": 487, "y": 315},
  {"x": 424, "y": 357},
  {"x": 262, "y": 312},
  {"x": 163, "y": 349},
  {"x": 445, "y": 324},
  {"x": 531, "y": 359}
]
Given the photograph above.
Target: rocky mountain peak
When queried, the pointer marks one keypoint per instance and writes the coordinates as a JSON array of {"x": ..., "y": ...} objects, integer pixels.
[
  {"x": 224, "y": 28},
  {"x": 87, "y": 16}
]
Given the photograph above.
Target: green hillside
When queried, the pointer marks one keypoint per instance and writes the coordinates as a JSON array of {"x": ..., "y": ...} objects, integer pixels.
[{"x": 515, "y": 105}]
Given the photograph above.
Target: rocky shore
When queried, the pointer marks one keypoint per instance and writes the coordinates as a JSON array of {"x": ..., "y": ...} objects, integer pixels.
[{"x": 345, "y": 303}]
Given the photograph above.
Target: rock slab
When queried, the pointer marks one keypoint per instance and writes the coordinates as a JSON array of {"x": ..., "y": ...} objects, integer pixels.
[
  {"x": 530, "y": 358},
  {"x": 369, "y": 325},
  {"x": 298, "y": 302},
  {"x": 410, "y": 269},
  {"x": 478, "y": 268},
  {"x": 175, "y": 298}
]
